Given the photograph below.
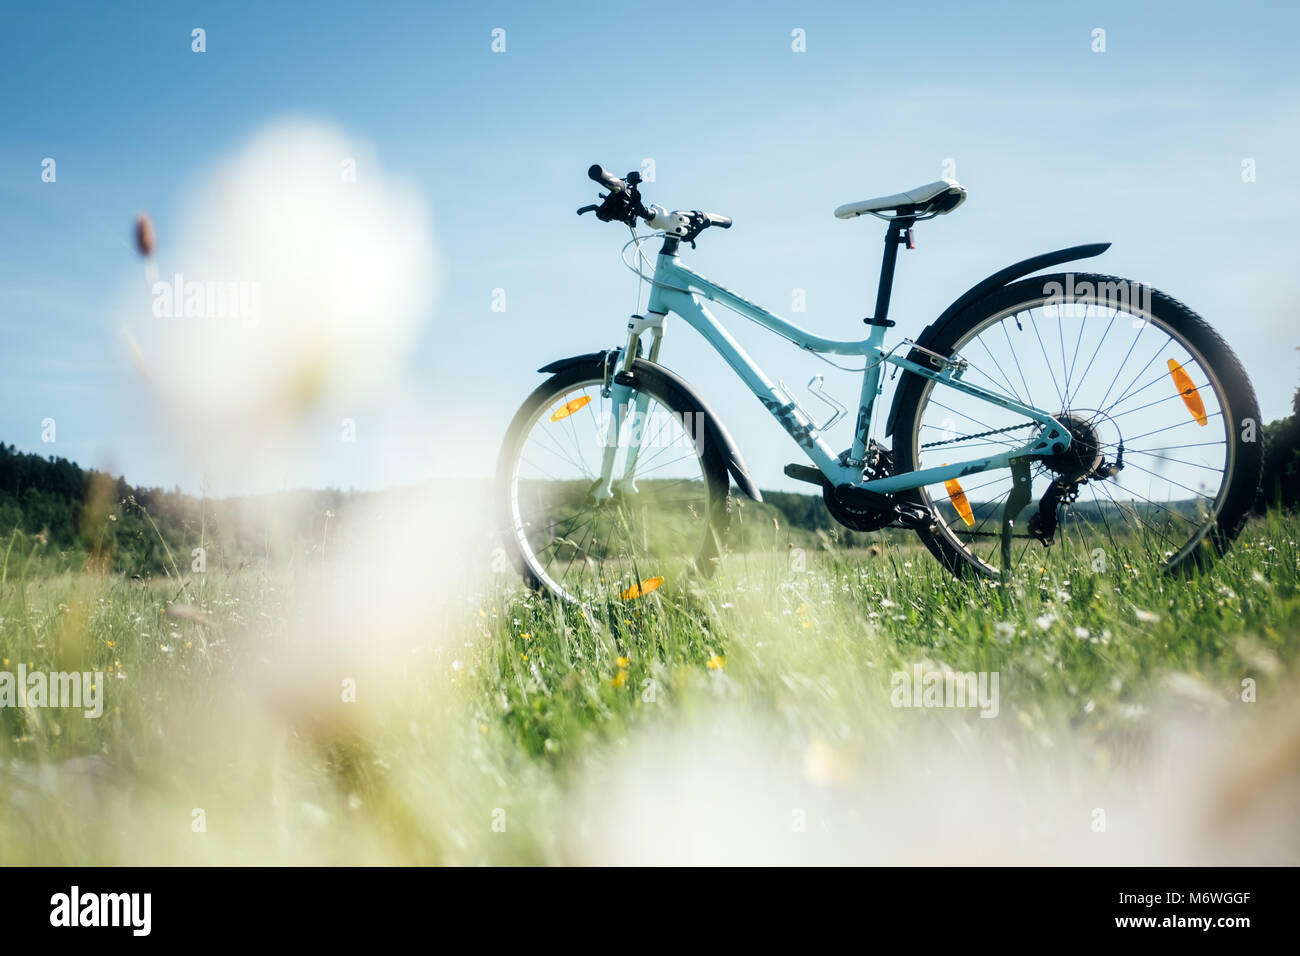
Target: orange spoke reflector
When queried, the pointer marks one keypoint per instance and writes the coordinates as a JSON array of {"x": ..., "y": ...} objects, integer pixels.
[
  {"x": 568, "y": 408},
  {"x": 644, "y": 588},
  {"x": 958, "y": 499},
  {"x": 1191, "y": 398}
]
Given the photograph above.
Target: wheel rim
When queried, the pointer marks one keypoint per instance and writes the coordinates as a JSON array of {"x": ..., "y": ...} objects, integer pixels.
[
  {"x": 1111, "y": 373},
  {"x": 649, "y": 533}
]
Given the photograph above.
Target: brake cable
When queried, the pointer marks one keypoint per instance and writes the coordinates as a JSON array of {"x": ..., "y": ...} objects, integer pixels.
[{"x": 638, "y": 240}]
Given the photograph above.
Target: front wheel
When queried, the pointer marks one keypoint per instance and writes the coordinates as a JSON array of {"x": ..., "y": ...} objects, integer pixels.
[
  {"x": 1165, "y": 455},
  {"x": 610, "y": 493}
]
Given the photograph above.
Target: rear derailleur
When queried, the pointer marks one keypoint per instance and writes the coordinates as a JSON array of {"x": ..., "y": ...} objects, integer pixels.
[{"x": 1064, "y": 490}]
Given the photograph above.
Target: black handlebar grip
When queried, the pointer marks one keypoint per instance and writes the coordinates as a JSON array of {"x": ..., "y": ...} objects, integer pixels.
[
  {"x": 722, "y": 222},
  {"x": 600, "y": 174}
]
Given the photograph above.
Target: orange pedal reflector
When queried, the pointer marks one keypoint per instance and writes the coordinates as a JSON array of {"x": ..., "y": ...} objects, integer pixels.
[
  {"x": 1191, "y": 398},
  {"x": 644, "y": 588},
  {"x": 958, "y": 499},
  {"x": 568, "y": 408}
]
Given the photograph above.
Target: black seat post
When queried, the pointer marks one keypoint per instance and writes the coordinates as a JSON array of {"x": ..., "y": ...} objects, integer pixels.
[{"x": 895, "y": 234}]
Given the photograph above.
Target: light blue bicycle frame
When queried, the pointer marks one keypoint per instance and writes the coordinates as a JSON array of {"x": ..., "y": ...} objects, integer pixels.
[{"x": 679, "y": 290}]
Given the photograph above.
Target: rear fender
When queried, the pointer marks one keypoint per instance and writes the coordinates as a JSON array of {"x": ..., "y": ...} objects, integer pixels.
[{"x": 982, "y": 288}]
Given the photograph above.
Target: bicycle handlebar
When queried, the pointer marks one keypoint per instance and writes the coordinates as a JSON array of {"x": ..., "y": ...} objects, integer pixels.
[
  {"x": 598, "y": 173},
  {"x": 623, "y": 204}
]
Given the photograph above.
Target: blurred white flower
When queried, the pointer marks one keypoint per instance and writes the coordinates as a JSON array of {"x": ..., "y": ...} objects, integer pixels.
[{"x": 343, "y": 276}]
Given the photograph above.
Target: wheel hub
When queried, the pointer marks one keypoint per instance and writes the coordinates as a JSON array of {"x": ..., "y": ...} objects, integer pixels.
[{"x": 1083, "y": 456}]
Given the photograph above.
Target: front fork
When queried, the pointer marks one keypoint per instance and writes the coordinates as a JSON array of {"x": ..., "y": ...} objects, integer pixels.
[{"x": 623, "y": 396}]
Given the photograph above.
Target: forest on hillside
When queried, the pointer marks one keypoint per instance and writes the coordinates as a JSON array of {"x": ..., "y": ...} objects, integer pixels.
[{"x": 79, "y": 518}]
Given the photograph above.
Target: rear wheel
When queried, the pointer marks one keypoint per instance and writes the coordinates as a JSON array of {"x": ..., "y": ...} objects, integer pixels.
[
  {"x": 1165, "y": 453},
  {"x": 582, "y": 538}
]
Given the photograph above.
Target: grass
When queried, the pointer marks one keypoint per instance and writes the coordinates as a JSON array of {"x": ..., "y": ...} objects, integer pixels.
[{"x": 500, "y": 728}]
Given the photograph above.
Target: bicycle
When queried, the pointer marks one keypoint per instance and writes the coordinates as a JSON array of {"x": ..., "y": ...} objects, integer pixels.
[{"x": 615, "y": 475}]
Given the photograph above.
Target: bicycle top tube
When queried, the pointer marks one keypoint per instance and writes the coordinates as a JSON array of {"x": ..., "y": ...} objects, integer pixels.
[{"x": 672, "y": 278}]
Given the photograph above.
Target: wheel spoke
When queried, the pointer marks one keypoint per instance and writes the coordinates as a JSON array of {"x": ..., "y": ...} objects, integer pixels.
[
  {"x": 582, "y": 536},
  {"x": 1177, "y": 485}
]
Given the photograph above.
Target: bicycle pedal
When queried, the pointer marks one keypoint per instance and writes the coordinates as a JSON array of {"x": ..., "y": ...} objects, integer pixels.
[
  {"x": 915, "y": 518},
  {"x": 805, "y": 473},
  {"x": 910, "y": 516}
]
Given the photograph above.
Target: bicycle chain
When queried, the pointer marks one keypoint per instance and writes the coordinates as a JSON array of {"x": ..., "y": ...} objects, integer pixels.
[{"x": 996, "y": 431}]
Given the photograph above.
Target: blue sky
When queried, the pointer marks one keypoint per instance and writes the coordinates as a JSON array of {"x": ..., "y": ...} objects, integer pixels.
[{"x": 1141, "y": 145}]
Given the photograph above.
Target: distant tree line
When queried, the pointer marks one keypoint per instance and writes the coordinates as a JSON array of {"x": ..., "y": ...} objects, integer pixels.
[
  {"x": 87, "y": 514},
  {"x": 84, "y": 517},
  {"x": 87, "y": 517},
  {"x": 1281, "y": 484}
]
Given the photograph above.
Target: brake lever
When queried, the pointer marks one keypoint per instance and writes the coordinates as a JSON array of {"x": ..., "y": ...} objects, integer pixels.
[
  {"x": 623, "y": 206},
  {"x": 698, "y": 224}
]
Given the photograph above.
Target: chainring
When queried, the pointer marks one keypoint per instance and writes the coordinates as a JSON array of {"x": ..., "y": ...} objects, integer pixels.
[{"x": 880, "y": 464}]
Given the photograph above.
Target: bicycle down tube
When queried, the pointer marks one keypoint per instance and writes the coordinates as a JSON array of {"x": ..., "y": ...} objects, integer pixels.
[{"x": 678, "y": 289}]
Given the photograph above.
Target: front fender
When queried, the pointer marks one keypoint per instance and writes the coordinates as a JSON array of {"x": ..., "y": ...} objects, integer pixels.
[
  {"x": 736, "y": 466},
  {"x": 982, "y": 288}
]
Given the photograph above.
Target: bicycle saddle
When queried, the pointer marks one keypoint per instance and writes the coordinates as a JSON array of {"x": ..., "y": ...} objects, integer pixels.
[{"x": 923, "y": 202}]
